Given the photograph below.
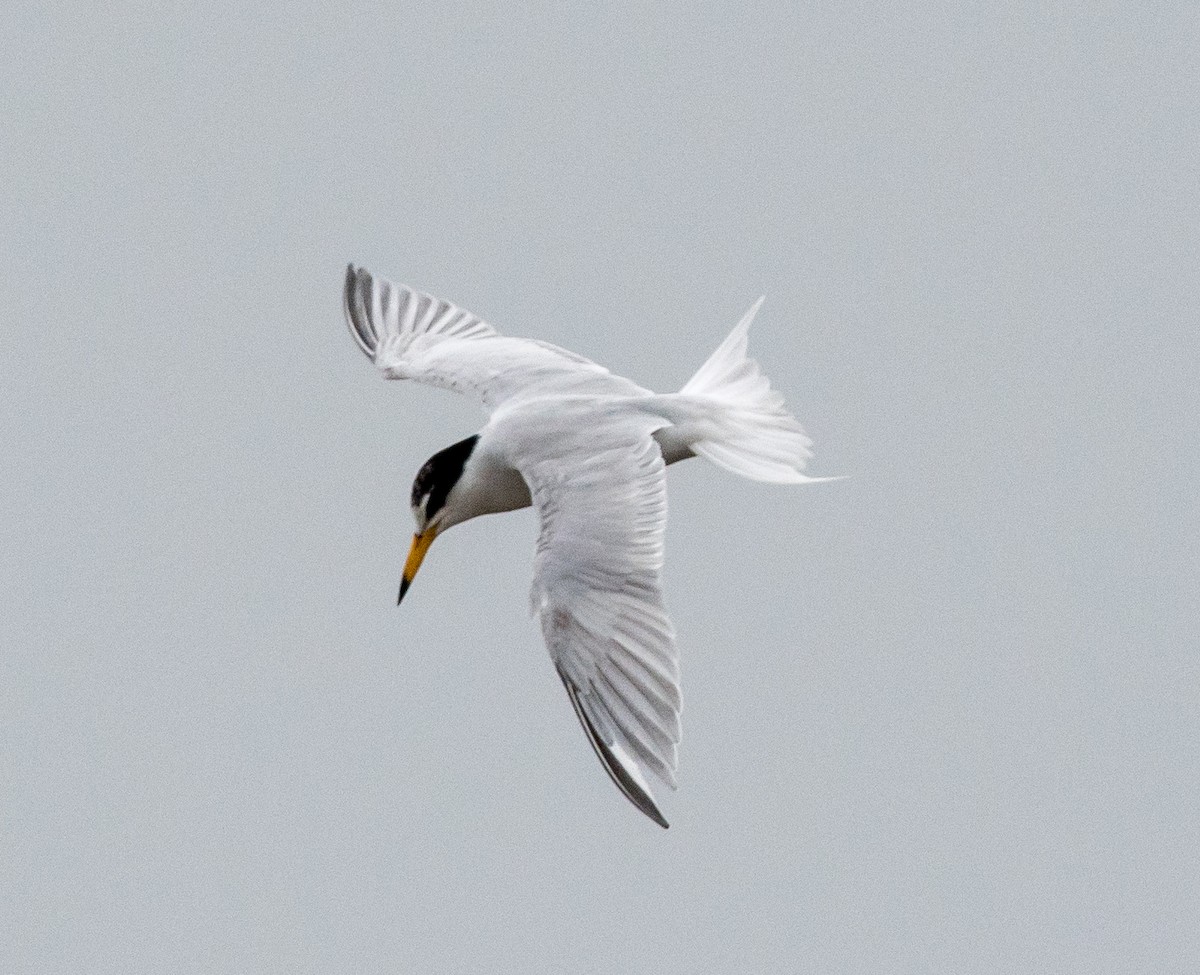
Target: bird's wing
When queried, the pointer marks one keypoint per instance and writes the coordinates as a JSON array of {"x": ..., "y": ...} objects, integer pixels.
[
  {"x": 600, "y": 489},
  {"x": 411, "y": 335}
]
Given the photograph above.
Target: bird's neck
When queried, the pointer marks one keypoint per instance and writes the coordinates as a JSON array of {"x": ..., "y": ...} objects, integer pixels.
[{"x": 488, "y": 486}]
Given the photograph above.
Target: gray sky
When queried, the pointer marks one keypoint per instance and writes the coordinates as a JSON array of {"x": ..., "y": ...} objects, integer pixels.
[{"x": 940, "y": 717}]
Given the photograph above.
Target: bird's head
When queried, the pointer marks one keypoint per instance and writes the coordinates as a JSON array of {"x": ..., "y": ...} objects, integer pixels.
[{"x": 434, "y": 505}]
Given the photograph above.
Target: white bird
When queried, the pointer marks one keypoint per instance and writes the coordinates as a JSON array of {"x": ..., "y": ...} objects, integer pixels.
[{"x": 589, "y": 451}]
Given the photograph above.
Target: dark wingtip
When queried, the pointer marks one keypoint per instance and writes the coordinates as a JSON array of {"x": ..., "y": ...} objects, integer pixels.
[
  {"x": 356, "y": 313},
  {"x": 622, "y": 779}
]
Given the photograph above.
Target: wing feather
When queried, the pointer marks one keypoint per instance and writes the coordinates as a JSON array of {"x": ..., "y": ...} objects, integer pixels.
[
  {"x": 633, "y": 786},
  {"x": 412, "y": 335},
  {"x": 598, "y": 483}
]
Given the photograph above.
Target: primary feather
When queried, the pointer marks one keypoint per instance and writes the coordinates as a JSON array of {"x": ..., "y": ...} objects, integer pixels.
[{"x": 412, "y": 335}]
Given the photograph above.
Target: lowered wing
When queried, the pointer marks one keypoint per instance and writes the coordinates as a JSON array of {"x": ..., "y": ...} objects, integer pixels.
[{"x": 601, "y": 494}]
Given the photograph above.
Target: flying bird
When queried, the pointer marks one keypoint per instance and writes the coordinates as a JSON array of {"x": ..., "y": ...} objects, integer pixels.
[{"x": 589, "y": 451}]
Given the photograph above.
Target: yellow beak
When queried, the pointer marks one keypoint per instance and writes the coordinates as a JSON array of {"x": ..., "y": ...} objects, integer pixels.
[{"x": 416, "y": 555}]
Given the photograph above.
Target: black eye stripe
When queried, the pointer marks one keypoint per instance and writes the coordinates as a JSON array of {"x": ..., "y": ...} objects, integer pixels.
[{"x": 440, "y": 473}]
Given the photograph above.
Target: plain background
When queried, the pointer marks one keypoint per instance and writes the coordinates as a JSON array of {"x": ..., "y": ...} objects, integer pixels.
[{"x": 943, "y": 716}]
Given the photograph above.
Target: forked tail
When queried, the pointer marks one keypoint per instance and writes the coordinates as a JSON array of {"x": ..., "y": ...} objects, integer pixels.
[{"x": 729, "y": 414}]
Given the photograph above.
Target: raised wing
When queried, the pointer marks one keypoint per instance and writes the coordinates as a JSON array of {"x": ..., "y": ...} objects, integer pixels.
[
  {"x": 603, "y": 504},
  {"x": 411, "y": 335}
]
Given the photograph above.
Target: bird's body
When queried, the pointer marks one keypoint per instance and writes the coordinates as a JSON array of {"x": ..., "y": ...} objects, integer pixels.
[{"x": 588, "y": 450}]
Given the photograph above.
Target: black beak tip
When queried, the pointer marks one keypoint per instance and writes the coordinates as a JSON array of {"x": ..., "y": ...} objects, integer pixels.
[{"x": 403, "y": 590}]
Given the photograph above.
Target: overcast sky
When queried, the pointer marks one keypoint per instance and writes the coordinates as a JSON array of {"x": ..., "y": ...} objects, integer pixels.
[{"x": 943, "y": 716}]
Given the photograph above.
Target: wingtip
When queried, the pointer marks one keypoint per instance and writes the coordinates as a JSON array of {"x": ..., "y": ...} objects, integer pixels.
[
  {"x": 355, "y": 310},
  {"x": 637, "y": 793}
]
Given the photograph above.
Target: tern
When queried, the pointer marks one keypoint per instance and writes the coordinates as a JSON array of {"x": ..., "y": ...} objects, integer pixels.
[{"x": 589, "y": 451}]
